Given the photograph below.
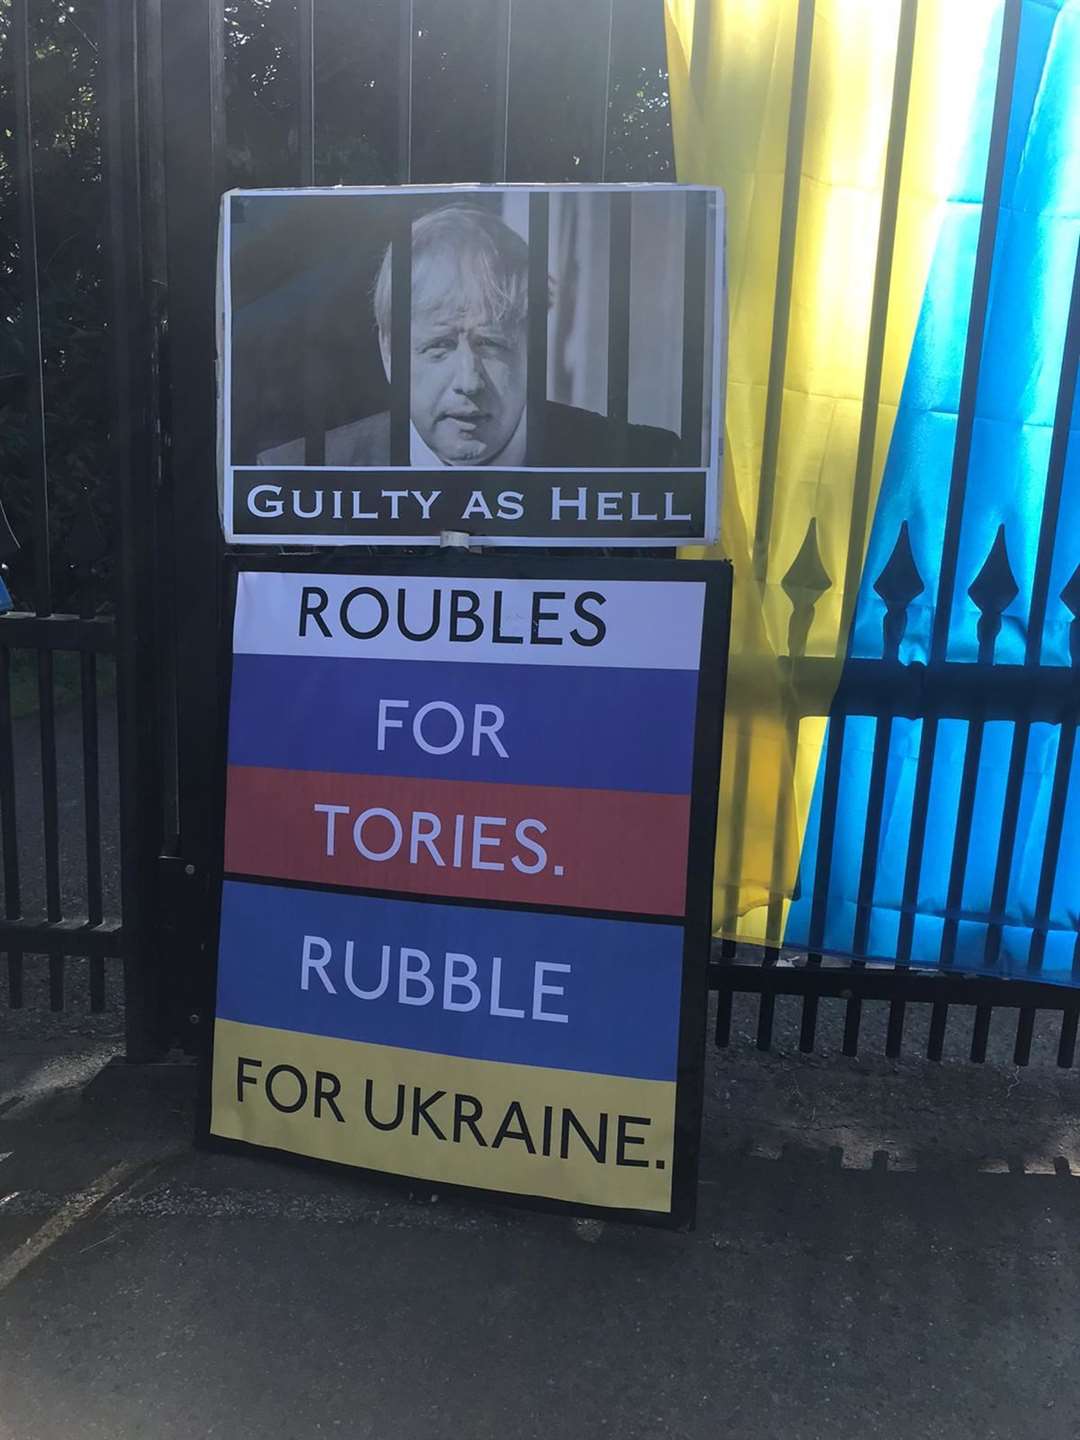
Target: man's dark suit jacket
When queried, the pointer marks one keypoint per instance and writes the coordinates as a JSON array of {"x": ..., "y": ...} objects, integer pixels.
[{"x": 573, "y": 439}]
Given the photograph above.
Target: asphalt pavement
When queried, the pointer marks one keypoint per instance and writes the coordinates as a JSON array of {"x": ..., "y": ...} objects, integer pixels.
[{"x": 883, "y": 1249}]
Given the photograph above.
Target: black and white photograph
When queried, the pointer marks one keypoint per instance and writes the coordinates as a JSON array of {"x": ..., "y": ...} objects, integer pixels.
[{"x": 515, "y": 364}]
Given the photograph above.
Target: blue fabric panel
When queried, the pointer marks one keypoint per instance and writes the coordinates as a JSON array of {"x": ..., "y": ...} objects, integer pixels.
[{"x": 1016, "y": 398}]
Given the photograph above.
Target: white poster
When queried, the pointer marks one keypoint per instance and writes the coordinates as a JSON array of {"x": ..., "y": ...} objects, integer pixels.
[{"x": 522, "y": 364}]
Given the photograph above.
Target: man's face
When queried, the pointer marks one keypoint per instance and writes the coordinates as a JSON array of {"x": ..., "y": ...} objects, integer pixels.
[
  {"x": 468, "y": 377},
  {"x": 468, "y": 385}
]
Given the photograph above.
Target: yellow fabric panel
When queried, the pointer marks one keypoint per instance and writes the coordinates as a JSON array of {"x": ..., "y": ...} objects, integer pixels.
[{"x": 731, "y": 86}]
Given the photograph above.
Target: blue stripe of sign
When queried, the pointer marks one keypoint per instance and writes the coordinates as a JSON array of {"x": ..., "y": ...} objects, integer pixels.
[
  {"x": 620, "y": 993},
  {"x": 600, "y": 729}
]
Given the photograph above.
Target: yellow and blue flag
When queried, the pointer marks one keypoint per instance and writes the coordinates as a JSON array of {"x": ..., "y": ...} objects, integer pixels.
[{"x": 877, "y": 504}]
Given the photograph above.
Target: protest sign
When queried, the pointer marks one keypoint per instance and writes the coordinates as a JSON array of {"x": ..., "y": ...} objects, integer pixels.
[
  {"x": 467, "y": 871},
  {"x": 524, "y": 364}
]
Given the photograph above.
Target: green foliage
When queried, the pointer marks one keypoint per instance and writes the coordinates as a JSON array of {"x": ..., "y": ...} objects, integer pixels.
[
  {"x": 69, "y": 202},
  {"x": 356, "y": 54},
  {"x": 639, "y": 135},
  {"x": 67, "y": 681},
  {"x": 260, "y": 91}
]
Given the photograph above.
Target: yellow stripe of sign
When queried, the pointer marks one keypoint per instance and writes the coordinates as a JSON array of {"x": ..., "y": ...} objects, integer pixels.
[{"x": 524, "y": 1129}]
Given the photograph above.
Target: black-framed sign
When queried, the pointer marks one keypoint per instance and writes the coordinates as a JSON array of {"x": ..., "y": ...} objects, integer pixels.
[
  {"x": 468, "y": 845},
  {"x": 525, "y": 364}
]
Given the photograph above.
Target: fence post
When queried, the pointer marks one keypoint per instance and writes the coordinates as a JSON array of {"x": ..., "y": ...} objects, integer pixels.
[
  {"x": 131, "y": 445},
  {"x": 193, "y": 40}
]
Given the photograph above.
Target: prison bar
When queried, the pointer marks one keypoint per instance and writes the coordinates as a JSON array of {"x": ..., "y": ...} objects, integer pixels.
[
  {"x": 695, "y": 289},
  {"x": 400, "y": 331},
  {"x": 618, "y": 338},
  {"x": 537, "y": 343}
]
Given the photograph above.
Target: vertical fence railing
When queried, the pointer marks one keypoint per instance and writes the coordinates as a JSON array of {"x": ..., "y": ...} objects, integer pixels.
[
  {"x": 961, "y": 457},
  {"x": 785, "y": 274},
  {"x": 500, "y": 91},
  {"x": 785, "y": 267},
  {"x": 31, "y": 307},
  {"x": 86, "y": 546},
  {"x": 305, "y": 66},
  {"x": 193, "y": 77},
  {"x": 9, "y": 834},
  {"x": 1048, "y": 528},
  {"x": 314, "y": 421},
  {"x": 38, "y": 470},
  {"x": 879, "y": 306},
  {"x": 132, "y": 164},
  {"x": 153, "y": 571},
  {"x": 406, "y": 35}
]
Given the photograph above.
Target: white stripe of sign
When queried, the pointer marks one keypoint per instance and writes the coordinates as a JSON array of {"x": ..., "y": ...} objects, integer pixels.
[{"x": 648, "y": 624}]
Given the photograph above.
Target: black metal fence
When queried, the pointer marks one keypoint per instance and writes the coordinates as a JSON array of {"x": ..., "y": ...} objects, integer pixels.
[
  {"x": 190, "y": 97},
  {"x": 73, "y": 798}
]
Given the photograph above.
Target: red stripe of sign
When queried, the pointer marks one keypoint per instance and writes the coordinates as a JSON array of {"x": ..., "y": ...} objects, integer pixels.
[{"x": 599, "y": 849}]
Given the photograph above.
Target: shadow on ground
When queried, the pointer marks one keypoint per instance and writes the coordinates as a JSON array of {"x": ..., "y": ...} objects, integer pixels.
[{"x": 887, "y": 1249}]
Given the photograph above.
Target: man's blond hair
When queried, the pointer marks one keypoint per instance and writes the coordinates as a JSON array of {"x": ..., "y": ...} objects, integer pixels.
[{"x": 490, "y": 259}]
